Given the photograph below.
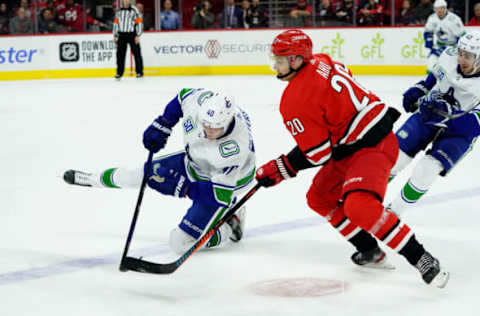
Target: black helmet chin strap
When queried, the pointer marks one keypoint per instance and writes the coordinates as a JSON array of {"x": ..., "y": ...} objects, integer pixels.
[{"x": 292, "y": 70}]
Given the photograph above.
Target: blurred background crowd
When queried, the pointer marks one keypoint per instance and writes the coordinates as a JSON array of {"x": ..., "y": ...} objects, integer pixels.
[{"x": 65, "y": 16}]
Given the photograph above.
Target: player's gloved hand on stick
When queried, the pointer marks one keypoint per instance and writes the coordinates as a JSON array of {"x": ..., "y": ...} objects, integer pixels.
[
  {"x": 156, "y": 135},
  {"x": 435, "y": 108},
  {"x": 169, "y": 182},
  {"x": 275, "y": 171},
  {"x": 411, "y": 96},
  {"x": 435, "y": 52}
]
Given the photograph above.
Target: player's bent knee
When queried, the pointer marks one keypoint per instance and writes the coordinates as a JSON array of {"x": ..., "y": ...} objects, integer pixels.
[
  {"x": 319, "y": 204},
  {"x": 363, "y": 208},
  {"x": 180, "y": 241},
  {"x": 426, "y": 172}
]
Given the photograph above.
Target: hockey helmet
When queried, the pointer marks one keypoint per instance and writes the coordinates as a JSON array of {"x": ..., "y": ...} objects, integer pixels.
[
  {"x": 292, "y": 43},
  {"x": 439, "y": 4},
  {"x": 470, "y": 42},
  {"x": 216, "y": 110}
]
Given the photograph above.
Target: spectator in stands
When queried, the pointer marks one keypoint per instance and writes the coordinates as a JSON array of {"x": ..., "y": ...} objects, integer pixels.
[
  {"x": 203, "y": 18},
  {"x": 476, "y": 19},
  {"x": 458, "y": 7},
  {"x": 170, "y": 20},
  {"x": 245, "y": 10},
  {"x": 4, "y": 18},
  {"x": 46, "y": 23},
  {"x": 26, "y": 6},
  {"x": 94, "y": 25},
  {"x": 20, "y": 24},
  {"x": 345, "y": 13},
  {"x": 423, "y": 11},
  {"x": 70, "y": 15},
  {"x": 53, "y": 9},
  {"x": 231, "y": 16},
  {"x": 371, "y": 13},
  {"x": 301, "y": 14},
  {"x": 147, "y": 17},
  {"x": 326, "y": 13},
  {"x": 405, "y": 14},
  {"x": 257, "y": 16}
]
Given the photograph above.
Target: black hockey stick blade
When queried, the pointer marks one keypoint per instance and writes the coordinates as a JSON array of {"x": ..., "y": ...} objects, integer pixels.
[
  {"x": 144, "y": 266},
  {"x": 122, "y": 266}
]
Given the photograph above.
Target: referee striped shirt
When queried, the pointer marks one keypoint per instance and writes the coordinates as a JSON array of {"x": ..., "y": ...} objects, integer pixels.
[{"x": 128, "y": 20}]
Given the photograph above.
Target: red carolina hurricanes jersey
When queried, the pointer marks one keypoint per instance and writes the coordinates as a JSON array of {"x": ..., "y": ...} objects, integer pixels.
[{"x": 323, "y": 107}]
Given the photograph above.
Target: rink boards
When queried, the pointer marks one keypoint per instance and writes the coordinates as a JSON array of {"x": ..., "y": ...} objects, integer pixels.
[{"x": 375, "y": 51}]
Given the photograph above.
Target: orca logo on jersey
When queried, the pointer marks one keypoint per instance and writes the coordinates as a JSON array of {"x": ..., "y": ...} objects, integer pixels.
[
  {"x": 69, "y": 52},
  {"x": 229, "y": 148}
]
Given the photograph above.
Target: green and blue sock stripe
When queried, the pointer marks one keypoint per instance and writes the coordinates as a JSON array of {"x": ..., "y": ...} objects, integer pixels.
[
  {"x": 412, "y": 194},
  {"x": 216, "y": 239},
  {"x": 107, "y": 178}
]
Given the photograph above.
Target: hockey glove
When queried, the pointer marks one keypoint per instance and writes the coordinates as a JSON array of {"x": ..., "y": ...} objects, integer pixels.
[
  {"x": 435, "y": 52},
  {"x": 156, "y": 135},
  {"x": 275, "y": 171},
  {"x": 169, "y": 182},
  {"x": 411, "y": 96},
  {"x": 437, "y": 107}
]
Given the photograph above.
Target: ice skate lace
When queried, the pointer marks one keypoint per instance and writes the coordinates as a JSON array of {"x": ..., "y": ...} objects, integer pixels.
[
  {"x": 82, "y": 178},
  {"x": 425, "y": 263}
]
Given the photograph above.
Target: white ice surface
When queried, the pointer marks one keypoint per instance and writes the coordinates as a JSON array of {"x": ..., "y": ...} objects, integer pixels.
[{"x": 60, "y": 245}]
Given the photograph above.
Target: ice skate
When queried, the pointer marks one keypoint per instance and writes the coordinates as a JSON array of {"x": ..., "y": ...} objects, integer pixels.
[
  {"x": 76, "y": 177},
  {"x": 237, "y": 223},
  {"x": 431, "y": 271},
  {"x": 376, "y": 259}
]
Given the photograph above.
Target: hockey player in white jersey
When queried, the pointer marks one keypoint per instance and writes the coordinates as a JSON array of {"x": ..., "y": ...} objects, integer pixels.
[
  {"x": 217, "y": 163},
  {"x": 442, "y": 30},
  {"x": 447, "y": 119}
]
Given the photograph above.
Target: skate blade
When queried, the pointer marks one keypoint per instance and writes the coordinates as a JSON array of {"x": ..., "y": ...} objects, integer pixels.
[
  {"x": 383, "y": 264},
  {"x": 379, "y": 266},
  {"x": 441, "y": 279}
]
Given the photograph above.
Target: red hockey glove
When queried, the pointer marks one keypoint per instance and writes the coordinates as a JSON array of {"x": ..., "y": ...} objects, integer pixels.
[{"x": 275, "y": 171}]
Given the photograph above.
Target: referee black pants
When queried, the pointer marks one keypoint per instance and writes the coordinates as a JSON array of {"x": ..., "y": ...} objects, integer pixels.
[{"x": 123, "y": 40}]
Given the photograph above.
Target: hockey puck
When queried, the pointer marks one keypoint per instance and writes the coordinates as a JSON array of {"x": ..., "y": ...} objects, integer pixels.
[{"x": 298, "y": 287}]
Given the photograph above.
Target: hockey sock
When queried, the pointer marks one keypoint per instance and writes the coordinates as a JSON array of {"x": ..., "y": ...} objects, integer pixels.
[
  {"x": 402, "y": 161},
  {"x": 412, "y": 250},
  {"x": 364, "y": 209},
  {"x": 359, "y": 238},
  {"x": 121, "y": 178},
  {"x": 423, "y": 176}
]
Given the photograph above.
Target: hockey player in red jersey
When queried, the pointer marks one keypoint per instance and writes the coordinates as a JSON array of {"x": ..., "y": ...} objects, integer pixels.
[{"x": 347, "y": 129}]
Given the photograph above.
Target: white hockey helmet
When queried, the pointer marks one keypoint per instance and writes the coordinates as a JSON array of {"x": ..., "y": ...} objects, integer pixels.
[
  {"x": 470, "y": 42},
  {"x": 439, "y": 4},
  {"x": 216, "y": 109}
]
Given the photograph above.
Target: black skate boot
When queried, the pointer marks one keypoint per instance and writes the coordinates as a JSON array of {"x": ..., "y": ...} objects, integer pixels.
[
  {"x": 375, "y": 258},
  {"x": 431, "y": 271},
  {"x": 77, "y": 178},
  {"x": 237, "y": 222}
]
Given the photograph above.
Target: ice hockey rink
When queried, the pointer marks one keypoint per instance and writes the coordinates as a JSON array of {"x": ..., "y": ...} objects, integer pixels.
[{"x": 60, "y": 245}]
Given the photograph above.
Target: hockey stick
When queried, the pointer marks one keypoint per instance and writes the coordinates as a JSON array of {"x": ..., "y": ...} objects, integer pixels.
[
  {"x": 135, "y": 214},
  {"x": 139, "y": 265}
]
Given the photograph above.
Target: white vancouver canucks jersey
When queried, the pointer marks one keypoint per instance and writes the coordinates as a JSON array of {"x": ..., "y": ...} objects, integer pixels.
[
  {"x": 447, "y": 30},
  {"x": 466, "y": 90},
  {"x": 228, "y": 162}
]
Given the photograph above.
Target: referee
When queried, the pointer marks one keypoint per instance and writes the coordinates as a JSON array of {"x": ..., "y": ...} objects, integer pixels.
[{"x": 127, "y": 28}]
